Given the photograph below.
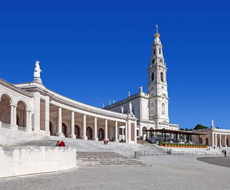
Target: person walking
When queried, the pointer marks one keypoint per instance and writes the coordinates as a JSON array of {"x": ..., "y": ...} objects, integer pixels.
[{"x": 225, "y": 153}]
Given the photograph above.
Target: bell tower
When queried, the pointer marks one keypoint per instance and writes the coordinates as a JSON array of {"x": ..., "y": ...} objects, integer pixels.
[{"x": 157, "y": 84}]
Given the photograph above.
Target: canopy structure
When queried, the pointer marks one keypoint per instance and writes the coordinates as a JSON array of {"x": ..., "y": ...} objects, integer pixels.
[{"x": 172, "y": 136}]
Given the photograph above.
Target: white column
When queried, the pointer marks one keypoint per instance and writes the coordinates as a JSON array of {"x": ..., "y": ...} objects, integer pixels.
[
  {"x": 11, "y": 114},
  {"x": 72, "y": 134},
  {"x": 220, "y": 140},
  {"x": 216, "y": 139},
  {"x": 122, "y": 134},
  {"x": 37, "y": 102},
  {"x": 213, "y": 138},
  {"x": 59, "y": 133},
  {"x": 47, "y": 115},
  {"x": 135, "y": 132},
  {"x": 84, "y": 128},
  {"x": 15, "y": 115},
  {"x": 116, "y": 135},
  {"x": 225, "y": 142},
  {"x": 106, "y": 129},
  {"x": 28, "y": 122},
  {"x": 95, "y": 129},
  {"x": 126, "y": 132}
]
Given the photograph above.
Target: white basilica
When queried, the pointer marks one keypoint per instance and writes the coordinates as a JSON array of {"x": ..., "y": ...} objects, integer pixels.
[
  {"x": 30, "y": 111},
  {"x": 151, "y": 108}
]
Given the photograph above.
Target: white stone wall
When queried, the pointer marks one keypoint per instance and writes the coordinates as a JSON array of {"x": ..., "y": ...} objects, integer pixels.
[
  {"x": 135, "y": 106},
  {"x": 15, "y": 161}
]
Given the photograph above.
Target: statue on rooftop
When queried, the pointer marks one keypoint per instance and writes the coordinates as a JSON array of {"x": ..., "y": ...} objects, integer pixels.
[{"x": 37, "y": 71}]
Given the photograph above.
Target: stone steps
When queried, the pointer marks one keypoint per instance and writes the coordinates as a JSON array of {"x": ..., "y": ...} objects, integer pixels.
[{"x": 105, "y": 159}]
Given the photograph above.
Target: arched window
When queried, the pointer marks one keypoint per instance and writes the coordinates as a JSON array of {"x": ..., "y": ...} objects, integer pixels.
[
  {"x": 163, "y": 108},
  {"x": 153, "y": 61},
  {"x": 162, "y": 77},
  {"x": 152, "y": 76},
  {"x": 159, "y": 50},
  {"x": 154, "y": 51}
]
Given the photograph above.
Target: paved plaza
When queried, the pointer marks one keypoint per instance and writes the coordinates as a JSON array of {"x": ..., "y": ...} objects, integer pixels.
[{"x": 167, "y": 172}]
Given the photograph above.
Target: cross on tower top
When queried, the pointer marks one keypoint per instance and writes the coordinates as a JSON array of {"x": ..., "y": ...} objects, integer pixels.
[{"x": 157, "y": 28}]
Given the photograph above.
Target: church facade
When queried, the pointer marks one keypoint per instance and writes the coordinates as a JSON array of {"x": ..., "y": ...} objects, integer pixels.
[{"x": 151, "y": 108}]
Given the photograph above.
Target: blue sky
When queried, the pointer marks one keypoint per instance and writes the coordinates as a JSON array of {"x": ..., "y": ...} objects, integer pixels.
[{"x": 96, "y": 51}]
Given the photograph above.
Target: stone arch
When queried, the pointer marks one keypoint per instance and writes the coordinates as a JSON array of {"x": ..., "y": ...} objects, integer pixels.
[
  {"x": 8, "y": 96},
  {"x": 206, "y": 141},
  {"x": 101, "y": 134},
  {"x": 21, "y": 114},
  {"x": 5, "y": 108},
  {"x": 77, "y": 131},
  {"x": 25, "y": 103},
  {"x": 89, "y": 133},
  {"x": 64, "y": 129}
]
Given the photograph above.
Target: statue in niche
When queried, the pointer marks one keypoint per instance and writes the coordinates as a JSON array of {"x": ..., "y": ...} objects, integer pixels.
[{"x": 163, "y": 109}]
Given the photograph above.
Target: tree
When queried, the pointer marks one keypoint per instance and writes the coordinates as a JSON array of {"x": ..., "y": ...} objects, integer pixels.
[
  {"x": 199, "y": 126},
  {"x": 218, "y": 128},
  {"x": 181, "y": 129}
]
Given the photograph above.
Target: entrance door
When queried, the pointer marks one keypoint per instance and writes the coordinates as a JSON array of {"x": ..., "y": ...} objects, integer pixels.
[
  {"x": 89, "y": 133},
  {"x": 64, "y": 129},
  {"x": 77, "y": 131},
  {"x": 101, "y": 134}
]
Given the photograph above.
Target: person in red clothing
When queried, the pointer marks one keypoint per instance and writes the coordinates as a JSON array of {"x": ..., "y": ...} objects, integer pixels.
[{"x": 62, "y": 143}]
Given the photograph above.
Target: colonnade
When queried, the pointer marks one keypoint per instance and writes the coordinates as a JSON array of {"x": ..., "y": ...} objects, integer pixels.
[
  {"x": 94, "y": 126},
  {"x": 220, "y": 139}
]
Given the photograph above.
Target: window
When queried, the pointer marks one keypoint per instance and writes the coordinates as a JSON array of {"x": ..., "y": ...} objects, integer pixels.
[
  {"x": 152, "y": 76},
  {"x": 159, "y": 50},
  {"x": 162, "y": 77},
  {"x": 161, "y": 61},
  {"x": 154, "y": 52},
  {"x": 153, "y": 61}
]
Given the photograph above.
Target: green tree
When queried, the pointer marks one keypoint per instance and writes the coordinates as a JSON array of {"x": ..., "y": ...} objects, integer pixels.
[
  {"x": 181, "y": 129},
  {"x": 199, "y": 126}
]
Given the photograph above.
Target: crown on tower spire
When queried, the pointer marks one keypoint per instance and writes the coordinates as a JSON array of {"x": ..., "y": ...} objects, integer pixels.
[{"x": 157, "y": 35}]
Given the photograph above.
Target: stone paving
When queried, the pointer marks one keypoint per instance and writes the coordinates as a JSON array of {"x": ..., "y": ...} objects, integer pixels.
[
  {"x": 219, "y": 161},
  {"x": 167, "y": 172}
]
